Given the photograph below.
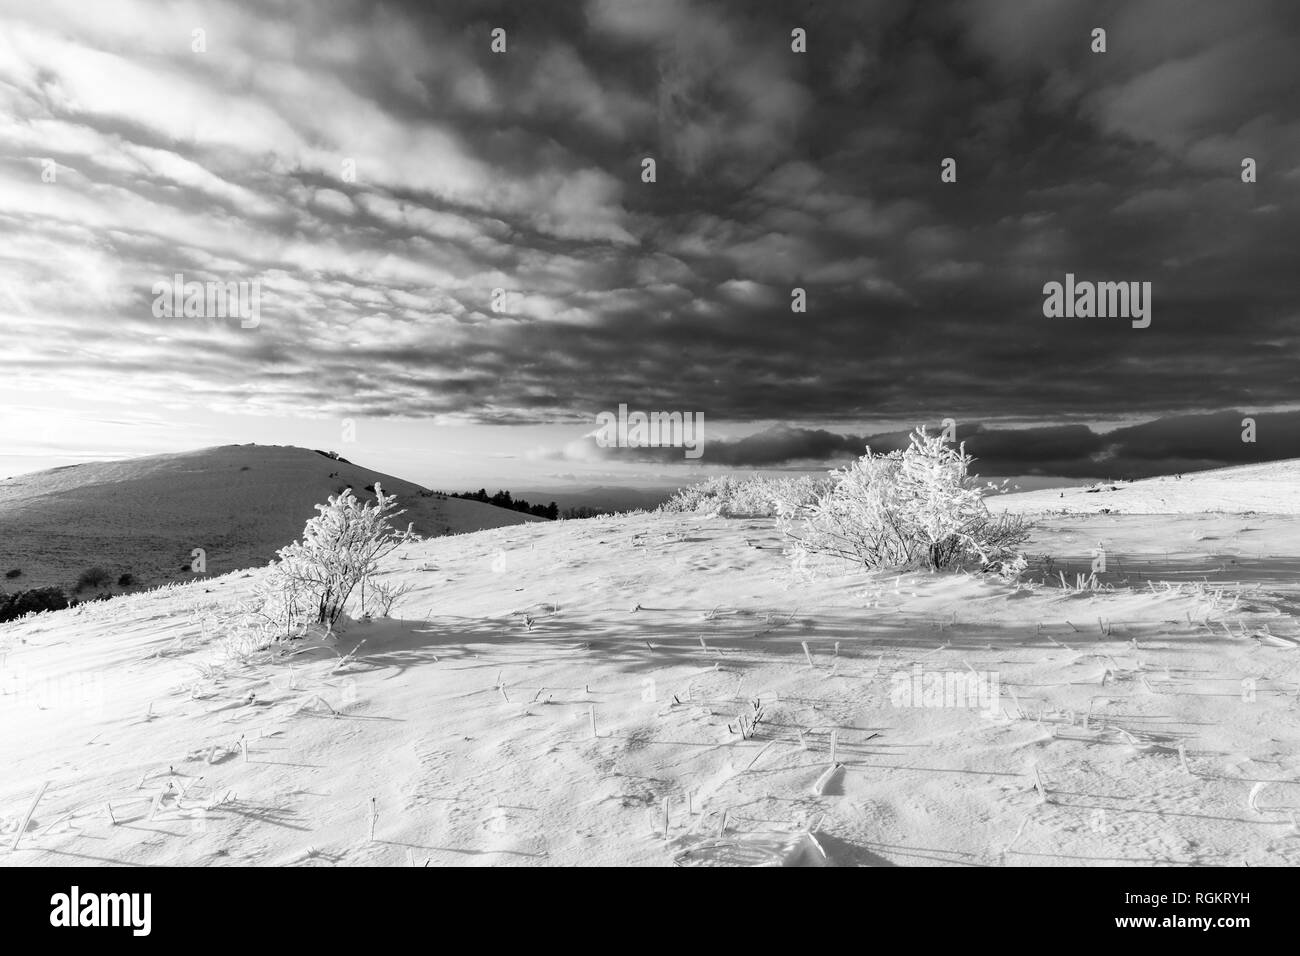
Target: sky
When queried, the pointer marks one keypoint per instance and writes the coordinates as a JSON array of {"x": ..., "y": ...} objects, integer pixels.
[{"x": 459, "y": 262}]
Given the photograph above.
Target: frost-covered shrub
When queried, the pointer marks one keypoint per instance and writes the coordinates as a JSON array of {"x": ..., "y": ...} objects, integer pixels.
[
  {"x": 340, "y": 550},
  {"x": 788, "y": 495},
  {"x": 703, "y": 496},
  {"x": 754, "y": 497},
  {"x": 387, "y": 595},
  {"x": 917, "y": 508}
]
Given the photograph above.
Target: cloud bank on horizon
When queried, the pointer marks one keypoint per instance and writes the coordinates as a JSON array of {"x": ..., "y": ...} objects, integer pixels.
[
  {"x": 381, "y": 171},
  {"x": 1162, "y": 446}
]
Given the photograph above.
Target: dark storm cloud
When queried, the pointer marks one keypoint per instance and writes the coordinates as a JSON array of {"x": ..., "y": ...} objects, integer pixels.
[
  {"x": 1161, "y": 446},
  {"x": 520, "y": 172}
]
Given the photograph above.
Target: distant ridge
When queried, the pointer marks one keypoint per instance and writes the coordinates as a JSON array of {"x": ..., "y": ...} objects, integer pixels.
[{"x": 239, "y": 503}]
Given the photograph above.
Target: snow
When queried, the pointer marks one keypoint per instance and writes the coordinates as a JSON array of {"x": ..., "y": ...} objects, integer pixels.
[
  {"x": 1271, "y": 488},
  {"x": 1131, "y": 725}
]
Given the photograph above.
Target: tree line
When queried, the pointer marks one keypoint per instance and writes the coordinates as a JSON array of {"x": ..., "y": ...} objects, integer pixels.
[{"x": 502, "y": 499}]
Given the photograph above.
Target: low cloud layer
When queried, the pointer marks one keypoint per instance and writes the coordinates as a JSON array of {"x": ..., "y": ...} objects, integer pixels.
[{"x": 1158, "y": 447}]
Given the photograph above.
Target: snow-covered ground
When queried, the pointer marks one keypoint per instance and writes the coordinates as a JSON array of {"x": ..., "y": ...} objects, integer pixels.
[
  {"x": 1269, "y": 488},
  {"x": 974, "y": 722}
]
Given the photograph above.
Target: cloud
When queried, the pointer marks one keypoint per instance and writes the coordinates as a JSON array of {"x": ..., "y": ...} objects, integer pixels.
[
  {"x": 1160, "y": 446},
  {"x": 383, "y": 174}
]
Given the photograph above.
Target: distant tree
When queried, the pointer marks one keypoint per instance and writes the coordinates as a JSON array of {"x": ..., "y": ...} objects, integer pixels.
[
  {"x": 95, "y": 577},
  {"x": 503, "y": 499}
]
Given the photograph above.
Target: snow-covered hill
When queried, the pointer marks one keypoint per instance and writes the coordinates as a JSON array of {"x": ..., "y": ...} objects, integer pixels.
[
  {"x": 1268, "y": 488},
  {"x": 238, "y": 503}
]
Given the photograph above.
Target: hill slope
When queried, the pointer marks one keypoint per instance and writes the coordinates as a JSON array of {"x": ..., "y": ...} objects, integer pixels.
[
  {"x": 1268, "y": 488},
  {"x": 239, "y": 503},
  {"x": 1164, "y": 734}
]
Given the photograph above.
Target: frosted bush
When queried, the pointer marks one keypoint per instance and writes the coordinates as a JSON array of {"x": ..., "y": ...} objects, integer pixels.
[
  {"x": 703, "y": 496},
  {"x": 340, "y": 550},
  {"x": 754, "y": 497},
  {"x": 388, "y": 594},
  {"x": 917, "y": 508},
  {"x": 788, "y": 495}
]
